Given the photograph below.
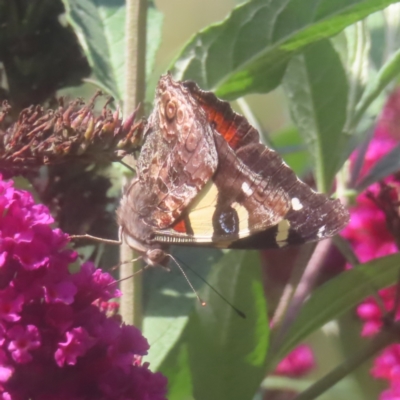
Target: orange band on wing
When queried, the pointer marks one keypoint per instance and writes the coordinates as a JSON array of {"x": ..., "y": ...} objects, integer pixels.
[
  {"x": 180, "y": 226},
  {"x": 227, "y": 128}
]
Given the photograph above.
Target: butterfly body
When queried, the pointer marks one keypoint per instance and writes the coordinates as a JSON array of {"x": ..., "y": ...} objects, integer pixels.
[{"x": 204, "y": 179}]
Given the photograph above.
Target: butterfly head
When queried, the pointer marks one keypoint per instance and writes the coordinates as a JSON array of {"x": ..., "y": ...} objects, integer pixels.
[{"x": 152, "y": 255}]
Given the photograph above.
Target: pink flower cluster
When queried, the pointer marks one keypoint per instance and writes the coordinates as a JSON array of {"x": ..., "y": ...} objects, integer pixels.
[
  {"x": 60, "y": 337},
  {"x": 297, "y": 363},
  {"x": 387, "y": 366},
  {"x": 370, "y": 238}
]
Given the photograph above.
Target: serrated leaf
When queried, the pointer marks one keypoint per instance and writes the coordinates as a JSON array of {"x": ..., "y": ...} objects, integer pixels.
[
  {"x": 337, "y": 296},
  {"x": 249, "y": 51},
  {"x": 386, "y": 166},
  {"x": 316, "y": 86},
  {"x": 100, "y": 27}
]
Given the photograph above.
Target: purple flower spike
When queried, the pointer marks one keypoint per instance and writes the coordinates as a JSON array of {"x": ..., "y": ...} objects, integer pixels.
[
  {"x": 60, "y": 336},
  {"x": 374, "y": 232}
]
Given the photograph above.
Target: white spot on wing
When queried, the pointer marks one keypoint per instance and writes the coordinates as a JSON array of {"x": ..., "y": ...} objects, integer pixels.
[
  {"x": 247, "y": 190},
  {"x": 282, "y": 233},
  {"x": 321, "y": 232},
  {"x": 296, "y": 204}
]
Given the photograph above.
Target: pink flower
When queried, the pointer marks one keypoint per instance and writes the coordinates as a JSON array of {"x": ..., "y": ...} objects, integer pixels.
[
  {"x": 59, "y": 316},
  {"x": 6, "y": 370},
  {"x": 77, "y": 343},
  {"x": 23, "y": 341},
  {"x": 390, "y": 394},
  {"x": 2, "y": 334},
  {"x": 60, "y": 338},
  {"x": 374, "y": 232},
  {"x": 94, "y": 285},
  {"x": 10, "y": 305},
  {"x": 115, "y": 384},
  {"x": 387, "y": 366},
  {"x": 63, "y": 292},
  {"x": 128, "y": 345},
  {"x": 297, "y": 363}
]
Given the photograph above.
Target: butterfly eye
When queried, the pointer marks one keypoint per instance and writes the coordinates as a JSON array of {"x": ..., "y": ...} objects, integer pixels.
[{"x": 170, "y": 109}]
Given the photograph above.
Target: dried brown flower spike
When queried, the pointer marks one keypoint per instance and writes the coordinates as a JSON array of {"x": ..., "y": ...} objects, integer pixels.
[{"x": 54, "y": 136}]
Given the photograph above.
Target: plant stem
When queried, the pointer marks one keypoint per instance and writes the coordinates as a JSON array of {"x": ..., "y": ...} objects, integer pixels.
[
  {"x": 135, "y": 52},
  {"x": 378, "y": 343},
  {"x": 294, "y": 295}
]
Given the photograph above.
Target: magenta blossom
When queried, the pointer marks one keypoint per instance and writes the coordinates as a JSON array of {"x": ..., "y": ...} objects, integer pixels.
[
  {"x": 297, "y": 363},
  {"x": 60, "y": 336},
  {"x": 372, "y": 235},
  {"x": 77, "y": 343},
  {"x": 23, "y": 339}
]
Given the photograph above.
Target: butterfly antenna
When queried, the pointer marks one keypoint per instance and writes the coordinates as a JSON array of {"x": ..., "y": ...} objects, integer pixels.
[
  {"x": 203, "y": 303},
  {"x": 130, "y": 276},
  {"x": 126, "y": 262},
  {"x": 234, "y": 308}
]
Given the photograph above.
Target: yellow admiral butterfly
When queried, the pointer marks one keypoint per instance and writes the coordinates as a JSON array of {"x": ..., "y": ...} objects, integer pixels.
[{"x": 204, "y": 179}]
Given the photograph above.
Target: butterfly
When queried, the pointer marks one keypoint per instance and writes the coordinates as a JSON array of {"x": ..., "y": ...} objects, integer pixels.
[{"x": 205, "y": 179}]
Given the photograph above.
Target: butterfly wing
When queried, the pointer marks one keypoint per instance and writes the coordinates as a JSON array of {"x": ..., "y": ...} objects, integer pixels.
[
  {"x": 253, "y": 200},
  {"x": 178, "y": 156}
]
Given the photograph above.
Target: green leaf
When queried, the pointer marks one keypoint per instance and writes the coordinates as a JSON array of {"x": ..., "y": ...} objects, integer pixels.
[
  {"x": 170, "y": 301},
  {"x": 100, "y": 27},
  {"x": 163, "y": 332},
  {"x": 249, "y": 51},
  {"x": 386, "y": 74},
  {"x": 357, "y": 64},
  {"x": 291, "y": 147},
  {"x": 316, "y": 85},
  {"x": 155, "y": 21},
  {"x": 337, "y": 296},
  {"x": 100, "y": 30},
  {"x": 176, "y": 368},
  {"x": 227, "y": 353},
  {"x": 386, "y": 166}
]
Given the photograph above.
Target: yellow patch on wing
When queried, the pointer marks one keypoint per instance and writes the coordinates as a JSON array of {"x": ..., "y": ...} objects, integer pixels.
[
  {"x": 201, "y": 212},
  {"x": 200, "y": 215},
  {"x": 282, "y": 233}
]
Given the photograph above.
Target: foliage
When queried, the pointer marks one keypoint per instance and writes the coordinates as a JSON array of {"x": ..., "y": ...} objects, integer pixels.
[{"x": 327, "y": 57}]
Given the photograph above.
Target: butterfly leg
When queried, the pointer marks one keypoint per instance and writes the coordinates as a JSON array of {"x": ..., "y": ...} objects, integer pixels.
[{"x": 96, "y": 239}]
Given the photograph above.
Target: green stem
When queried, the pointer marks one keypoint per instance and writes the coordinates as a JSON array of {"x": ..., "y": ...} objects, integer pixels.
[
  {"x": 378, "y": 343},
  {"x": 135, "y": 52}
]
